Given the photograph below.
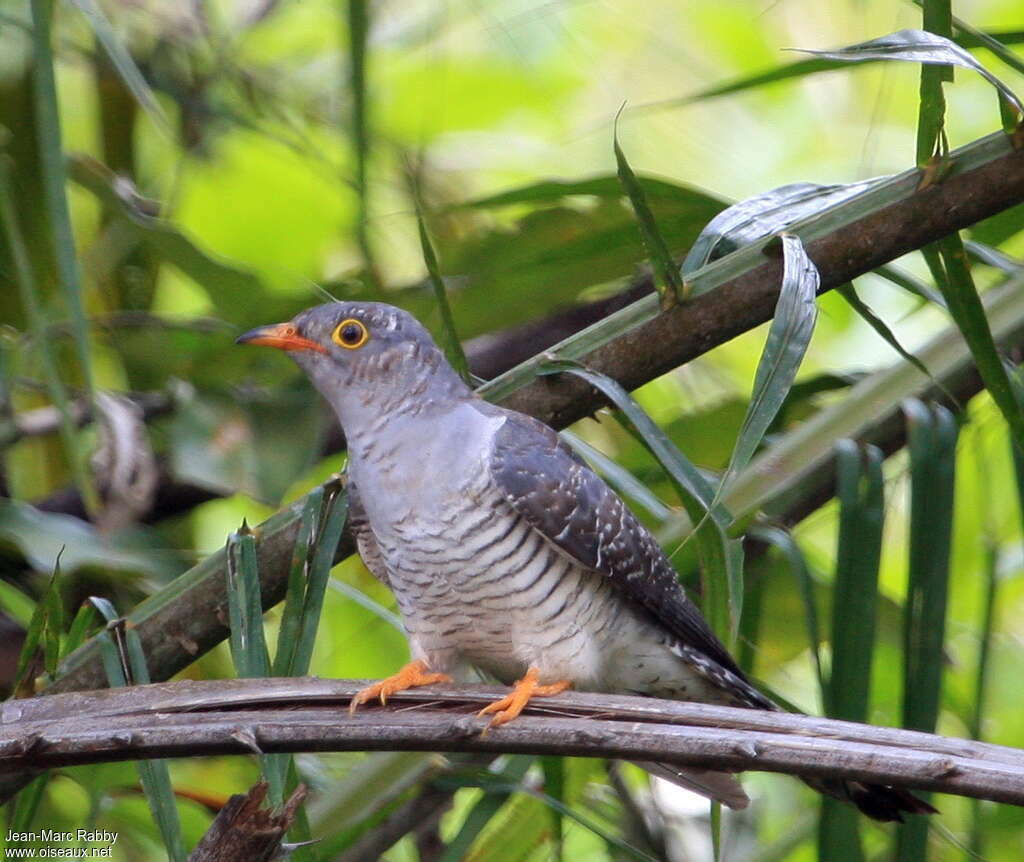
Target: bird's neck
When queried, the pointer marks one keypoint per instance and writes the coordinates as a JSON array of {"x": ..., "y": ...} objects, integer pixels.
[{"x": 370, "y": 411}]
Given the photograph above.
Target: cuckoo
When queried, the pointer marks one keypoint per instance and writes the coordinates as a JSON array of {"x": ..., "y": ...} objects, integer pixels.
[{"x": 505, "y": 552}]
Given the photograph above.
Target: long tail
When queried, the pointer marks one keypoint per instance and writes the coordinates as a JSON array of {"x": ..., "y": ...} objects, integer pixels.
[
  {"x": 717, "y": 786},
  {"x": 878, "y": 801}
]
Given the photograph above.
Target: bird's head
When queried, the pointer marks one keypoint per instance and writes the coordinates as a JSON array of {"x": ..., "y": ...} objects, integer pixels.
[{"x": 367, "y": 358}]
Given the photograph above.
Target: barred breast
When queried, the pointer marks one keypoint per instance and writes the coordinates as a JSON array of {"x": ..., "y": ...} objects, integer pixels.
[{"x": 477, "y": 585}]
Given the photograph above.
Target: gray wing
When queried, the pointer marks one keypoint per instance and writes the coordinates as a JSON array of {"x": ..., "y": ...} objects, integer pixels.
[
  {"x": 572, "y": 507},
  {"x": 366, "y": 542}
]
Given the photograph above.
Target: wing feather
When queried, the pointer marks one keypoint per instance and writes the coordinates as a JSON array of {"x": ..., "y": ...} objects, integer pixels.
[{"x": 573, "y": 508}]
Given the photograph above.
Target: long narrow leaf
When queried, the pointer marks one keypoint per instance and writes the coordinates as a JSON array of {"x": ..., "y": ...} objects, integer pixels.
[
  {"x": 866, "y": 314},
  {"x": 122, "y": 61},
  {"x": 668, "y": 283},
  {"x": 969, "y": 315},
  {"x": 910, "y": 283},
  {"x": 917, "y": 46},
  {"x": 298, "y": 577},
  {"x": 788, "y": 338},
  {"x": 73, "y": 448},
  {"x": 126, "y": 663},
  {"x": 855, "y": 596},
  {"x": 967, "y": 37},
  {"x": 932, "y": 444},
  {"x": 51, "y": 157},
  {"x": 487, "y": 807},
  {"x": 328, "y": 535},
  {"x": 450, "y": 336},
  {"x": 797, "y": 564}
]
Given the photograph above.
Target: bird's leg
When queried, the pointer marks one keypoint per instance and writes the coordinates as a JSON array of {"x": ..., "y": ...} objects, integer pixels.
[
  {"x": 512, "y": 704},
  {"x": 415, "y": 673}
]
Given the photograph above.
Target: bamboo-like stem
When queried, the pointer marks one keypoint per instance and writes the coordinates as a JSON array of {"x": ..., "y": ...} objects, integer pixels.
[{"x": 191, "y": 718}]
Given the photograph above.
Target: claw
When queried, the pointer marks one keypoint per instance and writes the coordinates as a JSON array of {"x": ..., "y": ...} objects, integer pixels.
[
  {"x": 513, "y": 703},
  {"x": 412, "y": 675}
]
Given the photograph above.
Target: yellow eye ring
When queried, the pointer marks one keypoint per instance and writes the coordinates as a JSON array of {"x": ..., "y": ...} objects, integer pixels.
[{"x": 350, "y": 334}]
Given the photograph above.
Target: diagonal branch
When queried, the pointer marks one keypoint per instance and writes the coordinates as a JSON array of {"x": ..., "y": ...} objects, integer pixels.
[{"x": 192, "y": 718}]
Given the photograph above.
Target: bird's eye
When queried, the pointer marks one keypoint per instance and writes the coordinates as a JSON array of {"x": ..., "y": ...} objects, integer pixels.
[{"x": 350, "y": 334}]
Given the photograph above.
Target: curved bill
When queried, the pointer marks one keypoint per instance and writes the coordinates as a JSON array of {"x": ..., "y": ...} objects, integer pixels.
[{"x": 280, "y": 335}]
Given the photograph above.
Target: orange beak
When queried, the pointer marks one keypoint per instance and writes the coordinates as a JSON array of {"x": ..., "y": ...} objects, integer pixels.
[{"x": 280, "y": 335}]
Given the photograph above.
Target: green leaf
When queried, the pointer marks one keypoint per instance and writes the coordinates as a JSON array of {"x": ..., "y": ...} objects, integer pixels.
[
  {"x": 968, "y": 313},
  {"x": 554, "y": 788},
  {"x": 917, "y": 46},
  {"x": 51, "y": 158},
  {"x": 40, "y": 536},
  {"x": 854, "y": 601},
  {"x": 797, "y": 565},
  {"x": 487, "y": 807},
  {"x": 245, "y": 608},
  {"x": 765, "y": 215},
  {"x": 848, "y": 293},
  {"x": 910, "y": 283},
  {"x": 122, "y": 61},
  {"x": 861, "y": 514},
  {"x": 932, "y": 436},
  {"x": 452, "y": 346},
  {"x": 326, "y": 540},
  {"x": 124, "y": 661},
  {"x": 967, "y": 37},
  {"x": 298, "y": 578},
  {"x": 668, "y": 282},
  {"x": 788, "y": 338},
  {"x": 16, "y": 604},
  {"x": 74, "y": 448}
]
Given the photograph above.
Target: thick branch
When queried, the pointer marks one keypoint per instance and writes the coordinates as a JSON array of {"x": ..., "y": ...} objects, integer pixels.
[{"x": 285, "y": 715}]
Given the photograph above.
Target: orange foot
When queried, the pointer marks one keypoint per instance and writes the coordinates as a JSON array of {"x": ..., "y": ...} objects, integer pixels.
[
  {"x": 413, "y": 674},
  {"x": 512, "y": 704}
]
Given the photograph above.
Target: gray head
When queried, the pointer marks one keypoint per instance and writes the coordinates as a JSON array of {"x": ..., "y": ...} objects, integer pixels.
[{"x": 370, "y": 360}]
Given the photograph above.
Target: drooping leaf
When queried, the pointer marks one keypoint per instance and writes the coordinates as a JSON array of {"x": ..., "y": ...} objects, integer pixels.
[
  {"x": 121, "y": 59},
  {"x": 917, "y": 46},
  {"x": 967, "y": 37},
  {"x": 864, "y": 311},
  {"x": 994, "y": 257},
  {"x": 965, "y": 306},
  {"x": 766, "y": 214},
  {"x": 788, "y": 337}
]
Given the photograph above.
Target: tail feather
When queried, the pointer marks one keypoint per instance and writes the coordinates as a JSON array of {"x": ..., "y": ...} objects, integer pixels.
[
  {"x": 878, "y": 801},
  {"x": 717, "y": 786}
]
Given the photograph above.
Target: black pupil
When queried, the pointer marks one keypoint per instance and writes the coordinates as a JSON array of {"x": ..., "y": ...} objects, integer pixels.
[{"x": 351, "y": 333}]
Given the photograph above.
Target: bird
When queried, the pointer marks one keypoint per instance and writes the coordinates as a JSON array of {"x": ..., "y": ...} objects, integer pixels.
[{"x": 505, "y": 552}]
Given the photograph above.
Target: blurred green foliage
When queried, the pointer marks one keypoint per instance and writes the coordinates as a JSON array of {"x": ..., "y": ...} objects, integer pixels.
[{"x": 219, "y": 209}]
